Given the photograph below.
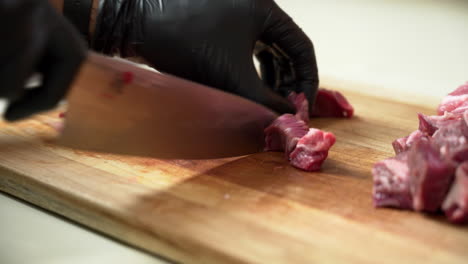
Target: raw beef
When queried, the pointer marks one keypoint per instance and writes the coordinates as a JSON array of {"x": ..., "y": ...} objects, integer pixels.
[
  {"x": 284, "y": 133},
  {"x": 455, "y": 205},
  {"x": 312, "y": 150},
  {"x": 430, "y": 124},
  {"x": 421, "y": 176},
  {"x": 305, "y": 148},
  {"x": 403, "y": 144},
  {"x": 455, "y": 102},
  {"x": 330, "y": 103},
  {"x": 452, "y": 140},
  {"x": 391, "y": 183},
  {"x": 301, "y": 104},
  {"x": 431, "y": 176}
]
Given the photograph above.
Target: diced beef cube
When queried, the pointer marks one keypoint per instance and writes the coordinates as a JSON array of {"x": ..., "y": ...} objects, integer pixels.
[
  {"x": 455, "y": 205},
  {"x": 403, "y": 144},
  {"x": 461, "y": 109},
  {"x": 431, "y": 176},
  {"x": 452, "y": 140},
  {"x": 455, "y": 102},
  {"x": 428, "y": 160},
  {"x": 430, "y": 124},
  {"x": 461, "y": 90},
  {"x": 391, "y": 183},
  {"x": 284, "y": 133},
  {"x": 312, "y": 150},
  {"x": 301, "y": 104},
  {"x": 400, "y": 145},
  {"x": 305, "y": 148},
  {"x": 330, "y": 103}
]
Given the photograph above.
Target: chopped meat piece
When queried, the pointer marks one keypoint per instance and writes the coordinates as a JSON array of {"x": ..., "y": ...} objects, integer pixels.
[
  {"x": 455, "y": 205},
  {"x": 330, "y": 103},
  {"x": 305, "y": 148},
  {"x": 430, "y": 124},
  {"x": 403, "y": 144},
  {"x": 452, "y": 140},
  {"x": 455, "y": 102},
  {"x": 427, "y": 161},
  {"x": 431, "y": 176},
  {"x": 460, "y": 110},
  {"x": 461, "y": 90},
  {"x": 312, "y": 150},
  {"x": 391, "y": 183},
  {"x": 301, "y": 104},
  {"x": 284, "y": 133}
]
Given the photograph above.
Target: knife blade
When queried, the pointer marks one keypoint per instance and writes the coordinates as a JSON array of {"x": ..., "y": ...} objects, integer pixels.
[{"x": 115, "y": 106}]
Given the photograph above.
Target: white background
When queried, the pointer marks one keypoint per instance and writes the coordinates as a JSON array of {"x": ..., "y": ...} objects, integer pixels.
[{"x": 414, "y": 48}]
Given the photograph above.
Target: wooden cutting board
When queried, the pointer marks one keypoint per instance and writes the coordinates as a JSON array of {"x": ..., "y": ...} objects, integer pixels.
[{"x": 252, "y": 209}]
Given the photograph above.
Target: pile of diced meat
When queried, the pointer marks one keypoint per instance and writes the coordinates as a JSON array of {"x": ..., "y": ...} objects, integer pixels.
[
  {"x": 430, "y": 170},
  {"x": 306, "y": 148}
]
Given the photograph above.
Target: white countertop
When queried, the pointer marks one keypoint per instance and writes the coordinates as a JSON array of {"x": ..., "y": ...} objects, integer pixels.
[
  {"x": 31, "y": 235},
  {"x": 413, "y": 47}
]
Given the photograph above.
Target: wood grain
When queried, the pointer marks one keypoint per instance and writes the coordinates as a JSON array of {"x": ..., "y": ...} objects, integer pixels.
[{"x": 251, "y": 209}]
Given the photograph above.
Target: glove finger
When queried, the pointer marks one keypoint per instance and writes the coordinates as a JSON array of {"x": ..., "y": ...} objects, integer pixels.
[
  {"x": 275, "y": 102},
  {"x": 22, "y": 46},
  {"x": 267, "y": 68},
  {"x": 282, "y": 33},
  {"x": 278, "y": 70},
  {"x": 15, "y": 73},
  {"x": 62, "y": 58}
]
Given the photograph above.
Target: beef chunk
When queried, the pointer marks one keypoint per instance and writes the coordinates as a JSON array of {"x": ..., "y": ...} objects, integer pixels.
[
  {"x": 455, "y": 102},
  {"x": 312, "y": 150},
  {"x": 301, "y": 104},
  {"x": 430, "y": 124},
  {"x": 431, "y": 176},
  {"x": 455, "y": 205},
  {"x": 427, "y": 161},
  {"x": 330, "y": 103},
  {"x": 284, "y": 133},
  {"x": 403, "y": 144},
  {"x": 391, "y": 183},
  {"x": 452, "y": 140},
  {"x": 305, "y": 148}
]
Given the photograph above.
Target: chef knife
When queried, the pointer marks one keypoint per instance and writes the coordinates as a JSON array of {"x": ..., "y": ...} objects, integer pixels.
[{"x": 116, "y": 106}]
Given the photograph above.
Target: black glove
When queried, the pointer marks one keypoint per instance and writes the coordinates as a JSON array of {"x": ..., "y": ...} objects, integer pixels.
[
  {"x": 284, "y": 75},
  {"x": 35, "y": 39},
  {"x": 210, "y": 42}
]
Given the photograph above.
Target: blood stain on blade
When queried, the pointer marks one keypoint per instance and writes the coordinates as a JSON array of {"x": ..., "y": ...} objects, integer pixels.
[{"x": 127, "y": 77}]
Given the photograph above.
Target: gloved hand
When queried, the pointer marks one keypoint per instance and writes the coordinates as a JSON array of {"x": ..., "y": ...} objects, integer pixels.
[
  {"x": 283, "y": 75},
  {"x": 35, "y": 39},
  {"x": 210, "y": 42}
]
